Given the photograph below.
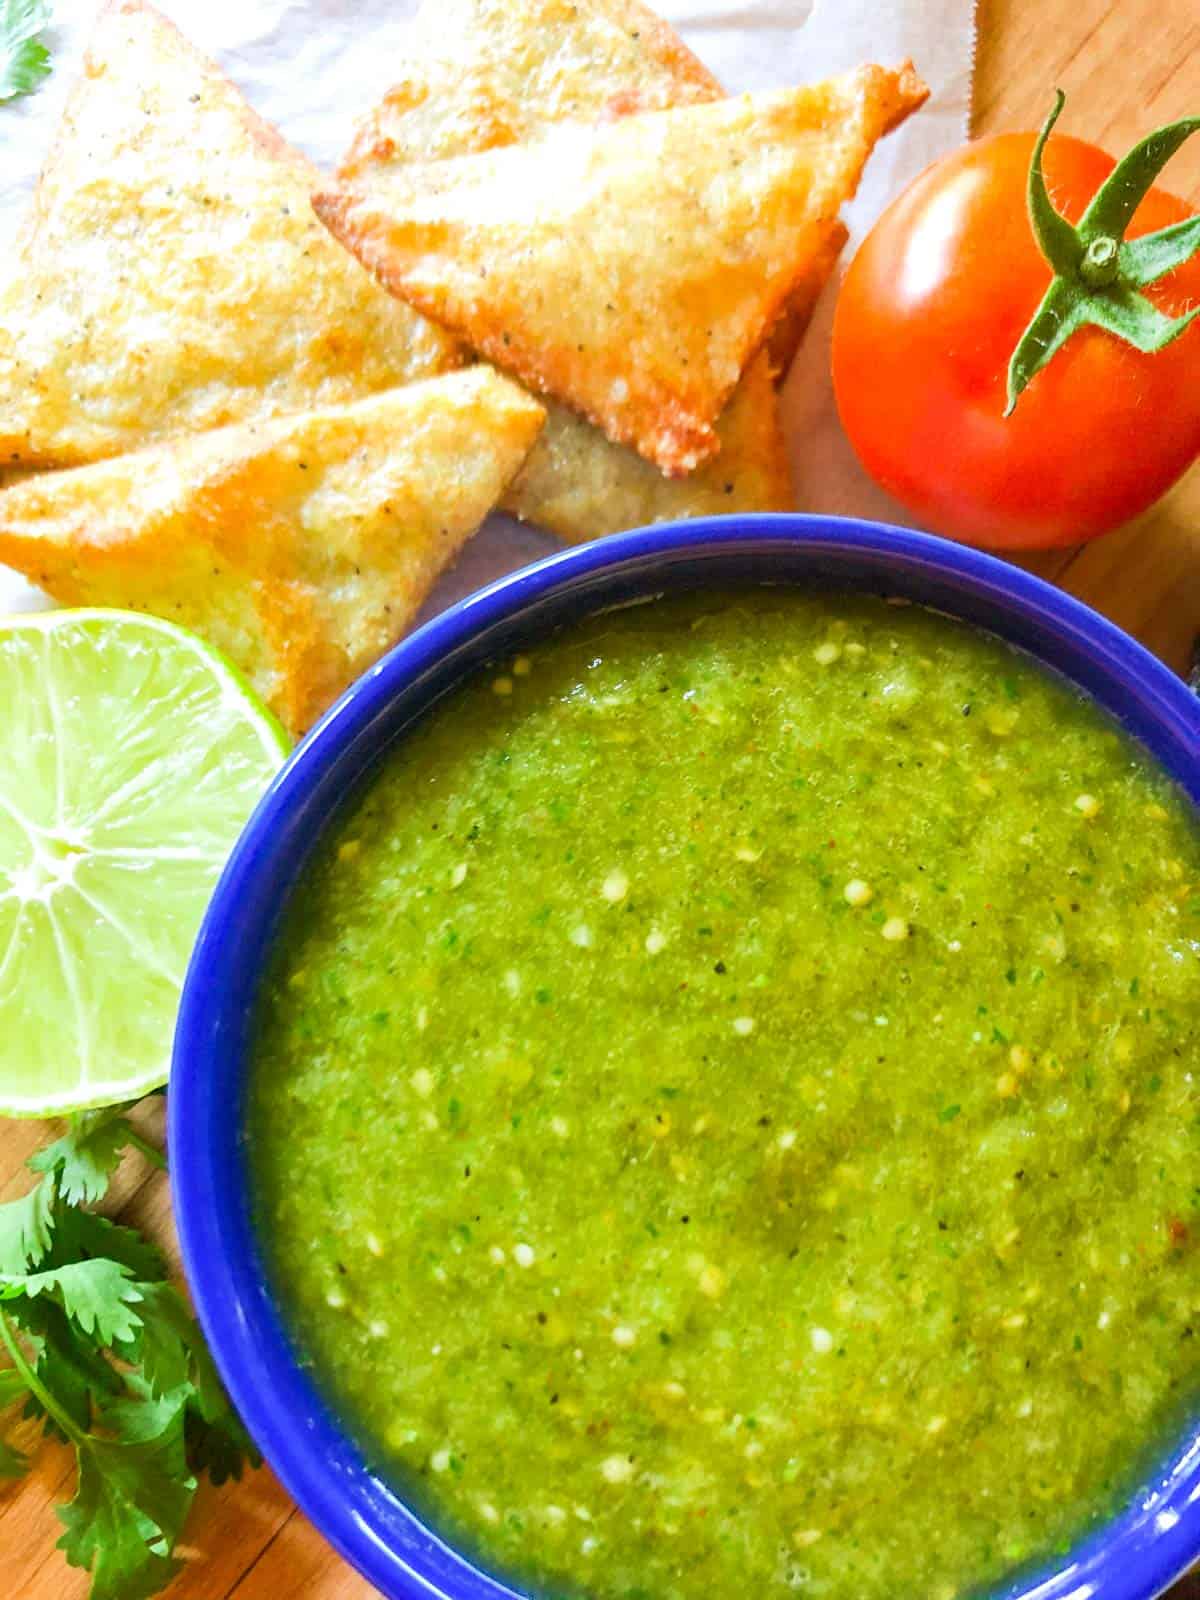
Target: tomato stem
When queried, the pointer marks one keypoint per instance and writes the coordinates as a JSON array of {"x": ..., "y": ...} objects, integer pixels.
[
  {"x": 1101, "y": 261},
  {"x": 1098, "y": 273}
]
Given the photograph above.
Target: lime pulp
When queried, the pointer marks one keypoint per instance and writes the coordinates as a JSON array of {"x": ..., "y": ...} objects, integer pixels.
[{"x": 131, "y": 754}]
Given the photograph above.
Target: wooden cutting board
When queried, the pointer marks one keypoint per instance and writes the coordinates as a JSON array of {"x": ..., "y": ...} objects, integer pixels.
[{"x": 1127, "y": 65}]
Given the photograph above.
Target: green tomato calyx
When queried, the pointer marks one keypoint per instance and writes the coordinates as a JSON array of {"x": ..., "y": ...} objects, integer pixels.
[
  {"x": 1101, "y": 262},
  {"x": 1098, "y": 273}
]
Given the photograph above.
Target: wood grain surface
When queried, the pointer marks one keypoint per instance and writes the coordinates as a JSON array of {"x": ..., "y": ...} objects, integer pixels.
[{"x": 1127, "y": 65}]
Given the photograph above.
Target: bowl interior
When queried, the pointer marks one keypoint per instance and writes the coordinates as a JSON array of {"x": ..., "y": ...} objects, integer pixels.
[{"x": 1133, "y": 1557}]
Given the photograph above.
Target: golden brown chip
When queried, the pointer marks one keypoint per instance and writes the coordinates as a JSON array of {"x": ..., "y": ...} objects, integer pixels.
[
  {"x": 171, "y": 276},
  {"x": 631, "y": 270},
  {"x": 785, "y": 336},
  {"x": 580, "y": 486},
  {"x": 485, "y": 73},
  {"x": 302, "y": 547}
]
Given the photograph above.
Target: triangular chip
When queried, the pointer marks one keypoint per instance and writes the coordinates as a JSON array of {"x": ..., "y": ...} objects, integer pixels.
[
  {"x": 631, "y": 270},
  {"x": 581, "y": 486},
  {"x": 302, "y": 547},
  {"x": 486, "y": 73},
  {"x": 172, "y": 278}
]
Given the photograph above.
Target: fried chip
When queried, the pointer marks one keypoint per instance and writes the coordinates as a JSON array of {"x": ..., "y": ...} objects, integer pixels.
[
  {"x": 784, "y": 338},
  {"x": 302, "y": 546},
  {"x": 630, "y": 270},
  {"x": 580, "y": 486},
  {"x": 171, "y": 276},
  {"x": 486, "y": 73}
]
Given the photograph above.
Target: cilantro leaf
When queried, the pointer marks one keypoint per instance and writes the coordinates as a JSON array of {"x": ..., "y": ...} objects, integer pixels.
[
  {"x": 99, "y": 1295},
  {"x": 170, "y": 1353},
  {"x": 220, "y": 1448},
  {"x": 88, "y": 1154},
  {"x": 108, "y": 1356},
  {"x": 77, "y": 1169},
  {"x": 24, "y": 60},
  {"x": 217, "y": 1441},
  {"x": 84, "y": 1234},
  {"x": 132, "y": 1499},
  {"x": 161, "y": 1346},
  {"x": 68, "y": 1366},
  {"x": 25, "y": 1227}
]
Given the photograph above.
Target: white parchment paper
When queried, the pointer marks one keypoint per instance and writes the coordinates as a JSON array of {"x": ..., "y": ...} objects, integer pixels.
[{"x": 313, "y": 66}]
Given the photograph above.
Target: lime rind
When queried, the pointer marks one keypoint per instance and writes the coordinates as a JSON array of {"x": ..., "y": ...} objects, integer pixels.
[{"x": 277, "y": 742}]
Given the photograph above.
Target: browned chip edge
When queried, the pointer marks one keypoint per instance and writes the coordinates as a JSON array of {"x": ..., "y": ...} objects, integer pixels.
[{"x": 674, "y": 440}]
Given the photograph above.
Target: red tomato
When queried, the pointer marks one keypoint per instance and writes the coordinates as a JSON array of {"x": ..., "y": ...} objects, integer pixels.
[{"x": 931, "y": 310}]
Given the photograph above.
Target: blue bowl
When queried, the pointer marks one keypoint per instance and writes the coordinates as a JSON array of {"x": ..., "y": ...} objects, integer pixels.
[{"x": 1138, "y": 1553}]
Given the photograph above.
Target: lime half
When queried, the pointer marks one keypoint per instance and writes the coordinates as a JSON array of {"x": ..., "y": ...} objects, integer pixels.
[{"x": 130, "y": 756}]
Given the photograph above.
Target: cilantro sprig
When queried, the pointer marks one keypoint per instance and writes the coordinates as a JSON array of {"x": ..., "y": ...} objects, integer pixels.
[
  {"x": 105, "y": 1353},
  {"x": 24, "y": 59}
]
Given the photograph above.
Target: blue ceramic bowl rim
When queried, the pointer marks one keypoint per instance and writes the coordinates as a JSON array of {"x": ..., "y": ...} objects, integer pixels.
[{"x": 1132, "y": 1557}]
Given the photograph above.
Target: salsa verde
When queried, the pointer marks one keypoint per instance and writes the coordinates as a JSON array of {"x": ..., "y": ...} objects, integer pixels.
[{"x": 724, "y": 1116}]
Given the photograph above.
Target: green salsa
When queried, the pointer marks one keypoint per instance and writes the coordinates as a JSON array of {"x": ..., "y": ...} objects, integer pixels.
[{"x": 725, "y": 1119}]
